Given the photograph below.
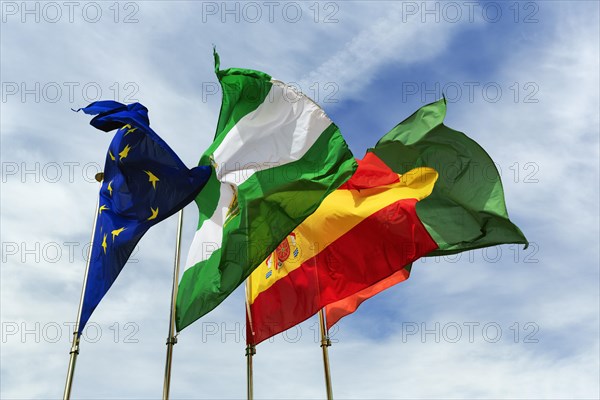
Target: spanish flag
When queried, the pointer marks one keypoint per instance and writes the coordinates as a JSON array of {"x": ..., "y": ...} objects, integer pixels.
[
  {"x": 423, "y": 190},
  {"x": 362, "y": 233}
]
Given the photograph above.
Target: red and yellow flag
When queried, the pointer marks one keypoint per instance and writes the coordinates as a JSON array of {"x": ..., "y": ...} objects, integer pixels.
[
  {"x": 361, "y": 234},
  {"x": 363, "y": 237}
]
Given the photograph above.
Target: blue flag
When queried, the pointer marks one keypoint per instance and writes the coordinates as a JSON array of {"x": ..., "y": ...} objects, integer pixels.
[{"x": 144, "y": 183}]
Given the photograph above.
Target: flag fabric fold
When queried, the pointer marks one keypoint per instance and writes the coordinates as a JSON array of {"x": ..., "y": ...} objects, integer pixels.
[
  {"x": 144, "y": 183},
  {"x": 275, "y": 157},
  {"x": 339, "y": 309},
  {"x": 362, "y": 233},
  {"x": 466, "y": 209}
]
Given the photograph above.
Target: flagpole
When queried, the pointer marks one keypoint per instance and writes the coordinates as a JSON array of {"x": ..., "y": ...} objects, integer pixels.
[
  {"x": 250, "y": 351},
  {"x": 325, "y": 342},
  {"x": 172, "y": 339},
  {"x": 250, "y": 348},
  {"x": 75, "y": 343}
]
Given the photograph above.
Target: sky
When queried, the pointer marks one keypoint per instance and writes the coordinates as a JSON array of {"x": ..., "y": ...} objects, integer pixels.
[{"x": 520, "y": 78}]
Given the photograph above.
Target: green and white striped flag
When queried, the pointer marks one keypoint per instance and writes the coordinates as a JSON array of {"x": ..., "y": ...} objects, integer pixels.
[{"x": 276, "y": 156}]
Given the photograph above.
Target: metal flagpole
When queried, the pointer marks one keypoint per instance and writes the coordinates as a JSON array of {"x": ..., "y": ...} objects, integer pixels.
[
  {"x": 250, "y": 350},
  {"x": 75, "y": 343},
  {"x": 325, "y": 342},
  {"x": 172, "y": 339}
]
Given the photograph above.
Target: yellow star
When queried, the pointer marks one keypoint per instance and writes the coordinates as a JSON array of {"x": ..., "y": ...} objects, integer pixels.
[
  {"x": 154, "y": 214},
  {"x": 104, "y": 243},
  {"x": 116, "y": 232},
  {"x": 109, "y": 188},
  {"x": 152, "y": 178},
  {"x": 124, "y": 153},
  {"x": 129, "y": 131},
  {"x": 111, "y": 155},
  {"x": 102, "y": 208}
]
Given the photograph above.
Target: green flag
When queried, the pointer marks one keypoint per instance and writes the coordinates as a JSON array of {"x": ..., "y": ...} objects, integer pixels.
[
  {"x": 466, "y": 209},
  {"x": 276, "y": 156}
]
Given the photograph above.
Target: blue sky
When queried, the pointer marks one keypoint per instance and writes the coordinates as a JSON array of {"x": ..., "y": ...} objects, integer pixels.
[{"x": 501, "y": 323}]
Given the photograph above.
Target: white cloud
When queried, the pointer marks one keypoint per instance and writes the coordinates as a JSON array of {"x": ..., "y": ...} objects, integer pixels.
[{"x": 394, "y": 36}]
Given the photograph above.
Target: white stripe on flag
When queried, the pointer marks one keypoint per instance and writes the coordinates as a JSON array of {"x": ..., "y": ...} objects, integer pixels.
[
  {"x": 209, "y": 237},
  {"x": 279, "y": 131}
]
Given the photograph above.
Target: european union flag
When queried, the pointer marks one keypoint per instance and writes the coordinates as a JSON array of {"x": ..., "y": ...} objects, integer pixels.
[{"x": 144, "y": 183}]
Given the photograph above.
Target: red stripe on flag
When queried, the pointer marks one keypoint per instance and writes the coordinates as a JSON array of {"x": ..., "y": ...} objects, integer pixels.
[
  {"x": 371, "y": 172},
  {"x": 376, "y": 248},
  {"x": 339, "y": 309}
]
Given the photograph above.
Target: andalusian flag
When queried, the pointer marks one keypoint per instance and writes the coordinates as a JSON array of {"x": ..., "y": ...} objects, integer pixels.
[
  {"x": 276, "y": 156},
  {"x": 464, "y": 209}
]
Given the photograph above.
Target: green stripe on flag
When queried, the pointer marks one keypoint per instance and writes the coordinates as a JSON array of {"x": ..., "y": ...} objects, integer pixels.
[
  {"x": 208, "y": 198},
  {"x": 466, "y": 209},
  {"x": 243, "y": 91}
]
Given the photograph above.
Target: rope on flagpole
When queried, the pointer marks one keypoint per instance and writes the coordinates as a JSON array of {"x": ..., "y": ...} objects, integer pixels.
[
  {"x": 75, "y": 343},
  {"x": 172, "y": 339}
]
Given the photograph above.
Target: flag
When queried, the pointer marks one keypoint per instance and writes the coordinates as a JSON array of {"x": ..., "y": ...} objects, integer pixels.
[
  {"x": 275, "y": 156},
  {"x": 463, "y": 210},
  {"x": 466, "y": 209},
  {"x": 362, "y": 233},
  {"x": 144, "y": 183}
]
